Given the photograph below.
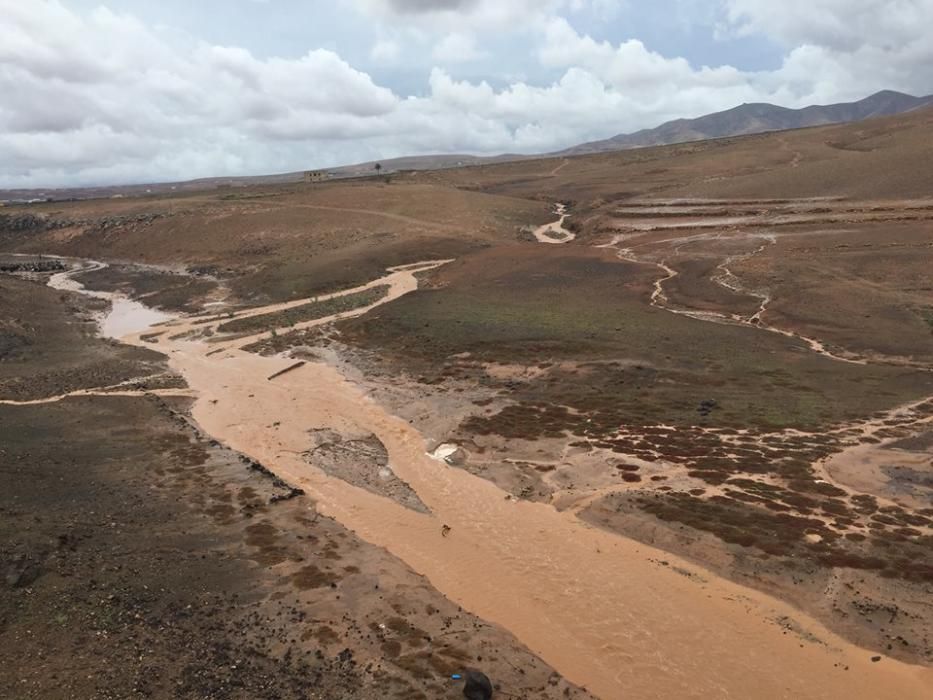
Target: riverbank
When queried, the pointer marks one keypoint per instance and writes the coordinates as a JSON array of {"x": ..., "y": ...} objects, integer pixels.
[
  {"x": 591, "y": 583},
  {"x": 165, "y": 564}
]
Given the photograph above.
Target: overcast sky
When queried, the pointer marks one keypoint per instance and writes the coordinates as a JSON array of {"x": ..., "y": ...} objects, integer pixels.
[{"x": 116, "y": 91}]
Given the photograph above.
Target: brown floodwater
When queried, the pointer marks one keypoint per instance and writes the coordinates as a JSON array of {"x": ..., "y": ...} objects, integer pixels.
[
  {"x": 555, "y": 233},
  {"x": 596, "y": 606},
  {"x": 125, "y": 315}
]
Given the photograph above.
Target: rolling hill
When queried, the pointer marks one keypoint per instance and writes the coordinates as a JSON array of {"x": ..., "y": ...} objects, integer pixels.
[
  {"x": 755, "y": 119},
  {"x": 743, "y": 120}
]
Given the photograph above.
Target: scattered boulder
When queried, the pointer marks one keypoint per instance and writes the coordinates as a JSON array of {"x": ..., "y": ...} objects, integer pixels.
[
  {"x": 453, "y": 454},
  {"x": 477, "y": 686},
  {"x": 33, "y": 266},
  {"x": 22, "y": 572},
  {"x": 20, "y": 223}
]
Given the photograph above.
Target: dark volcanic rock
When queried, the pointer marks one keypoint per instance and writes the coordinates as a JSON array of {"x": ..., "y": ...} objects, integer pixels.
[
  {"x": 33, "y": 266},
  {"x": 22, "y": 572},
  {"x": 477, "y": 687}
]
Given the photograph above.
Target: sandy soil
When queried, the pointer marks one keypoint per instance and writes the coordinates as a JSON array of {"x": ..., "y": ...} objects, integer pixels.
[
  {"x": 693, "y": 443},
  {"x": 555, "y": 232},
  {"x": 608, "y": 595},
  {"x": 132, "y": 535}
]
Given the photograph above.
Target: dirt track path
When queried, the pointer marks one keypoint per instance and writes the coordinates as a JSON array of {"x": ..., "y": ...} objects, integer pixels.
[
  {"x": 99, "y": 392},
  {"x": 382, "y": 215},
  {"x": 596, "y": 606},
  {"x": 729, "y": 280},
  {"x": 559, "y": 167}
]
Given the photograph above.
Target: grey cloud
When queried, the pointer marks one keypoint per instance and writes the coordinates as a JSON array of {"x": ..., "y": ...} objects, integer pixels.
[
  {"x": 417, "y": 6},
  {"x": 162, "y": 110}
]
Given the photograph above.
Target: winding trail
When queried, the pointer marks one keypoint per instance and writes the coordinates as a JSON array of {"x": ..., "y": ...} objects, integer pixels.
[
  {"x": 594, "y": 605},
  {"x": 125, "y": 316},
  {"x": 560, "y": 166},
  {"x": 383, "y": 215},
  {"x": 555, "y": 233},
  {"x": 400, "y": 281},
  {"x": 99, "y": 392},
  {"x": 659, "y": 298}
]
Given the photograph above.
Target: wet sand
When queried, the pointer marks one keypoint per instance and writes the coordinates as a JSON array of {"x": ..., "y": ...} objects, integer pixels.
[
  {"x": 590, "y": 603},
  {"x": 866, "y": 466},
  {"x": 126, "y": 316},
  {"x": 225, "y": 580},
  {"x": 555, "y": 233}
]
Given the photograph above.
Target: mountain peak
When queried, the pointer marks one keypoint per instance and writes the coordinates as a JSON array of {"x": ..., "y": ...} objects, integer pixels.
[
  {"x": 890, "y": 93},
  {"x": 758, "y": 117}
]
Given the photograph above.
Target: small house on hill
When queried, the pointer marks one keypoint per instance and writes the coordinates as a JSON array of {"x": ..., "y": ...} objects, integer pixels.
[{"x": 316, "y": 176}]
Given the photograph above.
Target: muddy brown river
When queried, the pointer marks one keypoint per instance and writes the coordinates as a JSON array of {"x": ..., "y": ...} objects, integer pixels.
[{"x": 596, "y": 606}]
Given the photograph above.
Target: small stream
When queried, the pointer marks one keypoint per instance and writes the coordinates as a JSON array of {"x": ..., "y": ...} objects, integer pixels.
[
  {"x": 595, "y": 606},
  {"x": 555, "y": 233},
  {"x": 125, "y": 316}
]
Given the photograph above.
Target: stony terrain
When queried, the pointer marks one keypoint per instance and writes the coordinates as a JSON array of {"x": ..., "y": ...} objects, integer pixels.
[
  {"x": 729, "y": 359},
  {"x": 142, "y": 559}
]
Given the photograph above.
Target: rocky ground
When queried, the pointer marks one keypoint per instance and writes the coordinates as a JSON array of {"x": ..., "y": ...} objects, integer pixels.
[
  {"x": 140, "y": 559},
  {"x": 626, "y": 377},
  {"x": 844, "y": 558}
]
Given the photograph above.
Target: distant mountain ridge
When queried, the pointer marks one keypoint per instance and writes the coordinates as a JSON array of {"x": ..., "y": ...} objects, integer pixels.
[
  {"x": 756, "y": 118},
  {"x": 746, "y": 119}
]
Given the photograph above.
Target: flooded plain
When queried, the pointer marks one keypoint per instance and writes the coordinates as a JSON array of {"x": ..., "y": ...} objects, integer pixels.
[
  {"x": 125, "y": 315},
  {"x": 597, "y": 606}
]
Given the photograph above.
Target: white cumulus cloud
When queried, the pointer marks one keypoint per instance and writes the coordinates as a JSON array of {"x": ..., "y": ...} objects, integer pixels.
[
  {"x": 99, "y": 96},
  {"x": 457, "y": 48}
]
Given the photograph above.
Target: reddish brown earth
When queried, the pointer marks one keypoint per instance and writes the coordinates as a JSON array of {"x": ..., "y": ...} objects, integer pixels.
[
  {"x": 143, "y": 559},
  {"x": 726, "y": 373}
]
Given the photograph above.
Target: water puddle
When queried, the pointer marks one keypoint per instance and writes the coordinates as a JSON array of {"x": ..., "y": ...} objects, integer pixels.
[{"x": 125, "y": 315}]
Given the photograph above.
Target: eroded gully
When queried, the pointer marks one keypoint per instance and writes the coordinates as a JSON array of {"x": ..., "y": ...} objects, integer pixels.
[{"x": 594, "y": 605}]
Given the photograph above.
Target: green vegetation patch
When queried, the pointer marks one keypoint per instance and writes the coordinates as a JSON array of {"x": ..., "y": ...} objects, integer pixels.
[
  {"x": 926, "y": 313},
  {"x": 647, "y": 365},
  {"x": 319, "y": 267},
  {"x": 48, "y": 347},
  {"x": 162, "y": 290},
  {"x": 306, "y": 312},
  {"x": 899, "y": 552}
]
